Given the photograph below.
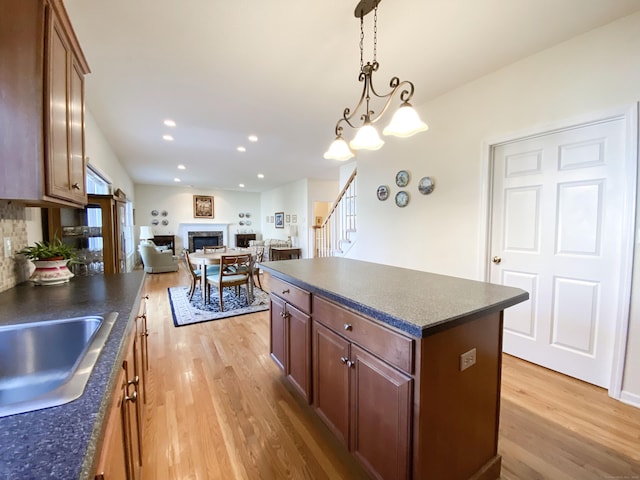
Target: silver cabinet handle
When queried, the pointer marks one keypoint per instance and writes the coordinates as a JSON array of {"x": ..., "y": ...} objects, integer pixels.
[
  {"x": 350, "y": 363},
  {"x": 344, "y": 360},
  {"x": 348, "y": 327},
  {"x": 135, "y": 381},
  {"x": 133, "y": 398}
]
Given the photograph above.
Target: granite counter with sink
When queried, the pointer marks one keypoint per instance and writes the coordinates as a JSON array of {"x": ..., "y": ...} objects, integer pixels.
[{"x": 60, "y": 442}]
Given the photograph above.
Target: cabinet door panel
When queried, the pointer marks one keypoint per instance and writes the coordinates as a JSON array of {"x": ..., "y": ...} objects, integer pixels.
[
  {"x": 76, "y": 134},
  {"x": 299, "y": 360},
  {"x": 331, "y": 380},
  {"x": 381, "y": 416},
  {"x": 278, "y": 332},
  {"x": 57, "y": 138}
]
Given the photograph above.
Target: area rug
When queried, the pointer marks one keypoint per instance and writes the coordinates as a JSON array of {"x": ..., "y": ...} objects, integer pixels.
[{"x": 187, "y": 312}]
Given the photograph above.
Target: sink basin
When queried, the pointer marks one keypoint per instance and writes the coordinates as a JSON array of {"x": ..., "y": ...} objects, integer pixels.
[{"x": 44, "y": 364}]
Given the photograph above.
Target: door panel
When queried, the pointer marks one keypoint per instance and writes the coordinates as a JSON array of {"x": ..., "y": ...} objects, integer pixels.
[{"x": 556, "y": 225}]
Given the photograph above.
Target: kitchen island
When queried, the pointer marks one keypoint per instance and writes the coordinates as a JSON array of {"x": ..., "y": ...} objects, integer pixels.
[
  {"x": 61, "y": 442},
  {"x": 402, "y": 366}
]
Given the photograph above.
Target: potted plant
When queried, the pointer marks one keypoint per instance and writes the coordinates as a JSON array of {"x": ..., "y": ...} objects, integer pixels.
[{"x": 51, "y": 260}]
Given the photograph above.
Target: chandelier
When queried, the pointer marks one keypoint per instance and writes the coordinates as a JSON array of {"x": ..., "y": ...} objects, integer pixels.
[{"x": 404, "y": 123}]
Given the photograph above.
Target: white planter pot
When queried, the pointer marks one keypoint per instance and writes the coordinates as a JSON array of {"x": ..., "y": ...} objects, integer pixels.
[{"x": 50, "y": 272}]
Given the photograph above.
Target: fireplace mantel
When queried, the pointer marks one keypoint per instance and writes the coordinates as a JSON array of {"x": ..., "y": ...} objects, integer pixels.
[{"x": 186, "y": 227}]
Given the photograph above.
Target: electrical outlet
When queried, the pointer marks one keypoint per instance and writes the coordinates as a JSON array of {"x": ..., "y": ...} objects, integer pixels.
[
  {"x": 7, "y": 247},
  {"x": 467, "y": 359}
]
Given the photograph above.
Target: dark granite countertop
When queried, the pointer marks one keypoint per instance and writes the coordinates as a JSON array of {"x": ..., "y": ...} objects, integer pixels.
[
  {"x": 418, "y": 303},
  {"x": 61, "y": 442}
]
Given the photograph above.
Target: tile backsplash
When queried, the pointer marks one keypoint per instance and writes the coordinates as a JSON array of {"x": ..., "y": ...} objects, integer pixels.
[{"x": 13, "y": 225}]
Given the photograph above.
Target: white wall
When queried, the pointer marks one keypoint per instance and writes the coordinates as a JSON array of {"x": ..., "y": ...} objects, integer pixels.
[
  {"x": 292, "y": 200},
  {"x": 100, "y": 156},
  {"x": 440, "y": 232},
  {"x": 178, "y": 203}
]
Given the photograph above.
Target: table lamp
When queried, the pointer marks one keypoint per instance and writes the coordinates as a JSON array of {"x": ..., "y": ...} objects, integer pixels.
[{"x": 146, "y": 234}]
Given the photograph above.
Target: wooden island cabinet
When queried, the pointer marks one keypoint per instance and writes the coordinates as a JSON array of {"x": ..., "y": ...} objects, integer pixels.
[{"x": 405, "y": 372}]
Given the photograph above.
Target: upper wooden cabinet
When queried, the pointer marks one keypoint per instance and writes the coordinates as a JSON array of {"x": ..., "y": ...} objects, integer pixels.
[{"x": 42, "y": 69}]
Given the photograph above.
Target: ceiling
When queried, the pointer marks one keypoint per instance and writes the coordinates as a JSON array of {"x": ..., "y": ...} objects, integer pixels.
[{"x": 284, "y": 70}]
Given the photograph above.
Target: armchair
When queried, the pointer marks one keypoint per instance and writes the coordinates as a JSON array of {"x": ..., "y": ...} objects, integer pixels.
[{"x": 155, "y": 261}]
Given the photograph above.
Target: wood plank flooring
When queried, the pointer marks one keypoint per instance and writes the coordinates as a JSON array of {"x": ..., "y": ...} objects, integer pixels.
[{"x": 219, "y": 408}]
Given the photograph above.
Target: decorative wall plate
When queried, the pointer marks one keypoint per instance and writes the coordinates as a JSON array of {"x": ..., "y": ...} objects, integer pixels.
[
  {"x": 247, "y": 214},
  {"x": 155, "y": 221},
  {"x": 241, "y": 215},
  {"x": 241, "y": 223},
  {"x": 248, "y": 222},
  {"x": 154, "y": 213},
  {"x": 164, "y": 213},
  {"x": 426, "y": 185},
  {"x": 402, "y": 178},
  {"x": 165, "y": 222},
  {"x": 402, "y": 198},
  {"x": 383, "y": 192}
]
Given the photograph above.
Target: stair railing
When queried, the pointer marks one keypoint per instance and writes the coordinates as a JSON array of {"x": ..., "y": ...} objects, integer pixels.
[{"x": 333, "y": 236}]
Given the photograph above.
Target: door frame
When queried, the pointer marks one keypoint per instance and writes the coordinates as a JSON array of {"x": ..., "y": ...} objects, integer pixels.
[{"x": 629, "y": 115}]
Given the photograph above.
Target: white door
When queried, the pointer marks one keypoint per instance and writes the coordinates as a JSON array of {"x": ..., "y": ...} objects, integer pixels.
[{"x": 556, "y": 231}]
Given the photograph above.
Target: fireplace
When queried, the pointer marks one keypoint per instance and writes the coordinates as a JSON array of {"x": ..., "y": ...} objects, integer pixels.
[{"x": 199, "y": 239}]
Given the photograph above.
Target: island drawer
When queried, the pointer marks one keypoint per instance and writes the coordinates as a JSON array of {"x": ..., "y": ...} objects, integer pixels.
[
  {"x": 391, "y": 346},
  {"x": 291, "y": 294}
]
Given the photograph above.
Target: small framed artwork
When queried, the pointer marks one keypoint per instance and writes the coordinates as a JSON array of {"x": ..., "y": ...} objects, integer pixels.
[
  {"x": 402, "y": 178},
  {"x": 202, "y": 206},
  {"x": 271, "y": 219},
  {"x": 288, "y": 218},
  {"x": 267, "y": 218},
  {"x": 279, "y": 216},
  {"x": 294, "y": 218},
  {"x": 318, "y": 221}
]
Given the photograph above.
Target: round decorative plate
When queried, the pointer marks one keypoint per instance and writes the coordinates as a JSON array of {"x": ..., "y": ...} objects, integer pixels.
[
  {"x": 248, "y": 222},
  {"x": 402, "y": 178},
  {"x": 247, "y": 214},
  {"x": 154, "y": 213},
  {"x": 164, "y": 213},
  {"x": 402, "y": 198},
  {"x": 426, "y": 185},
  {"x": 241, "y": 215},
  {"x": 241, "y": 223},
  {"x": 155, "y": 221},
  {"x": 165, "y": 222},
  {"x": 383, "y": 192}
]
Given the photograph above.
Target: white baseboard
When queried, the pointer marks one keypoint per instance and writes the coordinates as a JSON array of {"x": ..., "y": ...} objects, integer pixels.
[{"x": 630, "y": 398}]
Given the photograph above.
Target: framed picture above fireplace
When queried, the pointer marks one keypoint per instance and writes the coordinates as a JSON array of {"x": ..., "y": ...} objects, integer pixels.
[
  {"x": 279, "y": 219},
  {"x": 202, "y": 206}
]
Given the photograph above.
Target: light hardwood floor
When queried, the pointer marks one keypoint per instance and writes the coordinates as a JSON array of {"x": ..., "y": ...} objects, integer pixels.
[{"x": 219, "y": 408}]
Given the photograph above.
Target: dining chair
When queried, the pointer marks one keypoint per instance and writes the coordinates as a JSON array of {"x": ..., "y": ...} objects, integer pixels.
[
  {"x": 195, "y": 274},
  {"x": 259, "y": 250},
  {"x": 213, "y": 248},
  {"x": 234, "y": 272}
]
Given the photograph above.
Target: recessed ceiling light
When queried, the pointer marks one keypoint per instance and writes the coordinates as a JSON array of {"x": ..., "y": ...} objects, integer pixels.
[
  {"x": 181, "y": 167},
  {"x": 168, "y": 138},
  {"x": 261, "y": 175},
  {"x": 253, "y": 138},
  {"x": 241, "y": 149},
  {"x": 177, "y": 179},
  {"x": 169, "y": 123},
  {"x": 241, "y": 185}
]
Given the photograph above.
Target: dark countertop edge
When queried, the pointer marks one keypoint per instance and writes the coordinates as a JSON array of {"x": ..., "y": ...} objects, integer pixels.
[
  {"x": 92, "y": 453},
  {"x": 391, "y": 320}
]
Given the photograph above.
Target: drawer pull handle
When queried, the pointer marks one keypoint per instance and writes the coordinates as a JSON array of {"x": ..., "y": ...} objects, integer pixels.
[
  {"x": 348, "y": 327},
  {"x": 344, "y": 360},
  {"x": 350, "y": 363},
  {"x": 285, "y": 291},
  {"x": 135, "y": 381},
  {"x": 76, "y": 186},
  {"x": 132, "y": 398}
]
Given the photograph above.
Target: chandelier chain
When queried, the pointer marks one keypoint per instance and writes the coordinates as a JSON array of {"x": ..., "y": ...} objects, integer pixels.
[
  {"x": 361, "y": 43},
  {"x": 375, "y": 34}
]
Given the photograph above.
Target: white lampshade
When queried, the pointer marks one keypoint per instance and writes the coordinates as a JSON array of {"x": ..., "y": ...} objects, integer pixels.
[
  {"x": 367, "y": 138},
  {"x": 146, "y": 233},
  {"x": 339, "y": 150},
  {"x": 405, "y": 122}
]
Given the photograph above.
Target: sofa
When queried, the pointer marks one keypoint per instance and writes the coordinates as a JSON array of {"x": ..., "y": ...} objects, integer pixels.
[
  {"x": 268, "y": 243},
  {"x": 156, "y": 261}
]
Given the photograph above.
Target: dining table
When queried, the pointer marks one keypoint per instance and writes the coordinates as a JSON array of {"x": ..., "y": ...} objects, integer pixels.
[{"x": 202, "y": 259}]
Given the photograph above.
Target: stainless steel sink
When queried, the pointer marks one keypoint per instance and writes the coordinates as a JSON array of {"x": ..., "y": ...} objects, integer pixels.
[{"x": 45, "y": 364}]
